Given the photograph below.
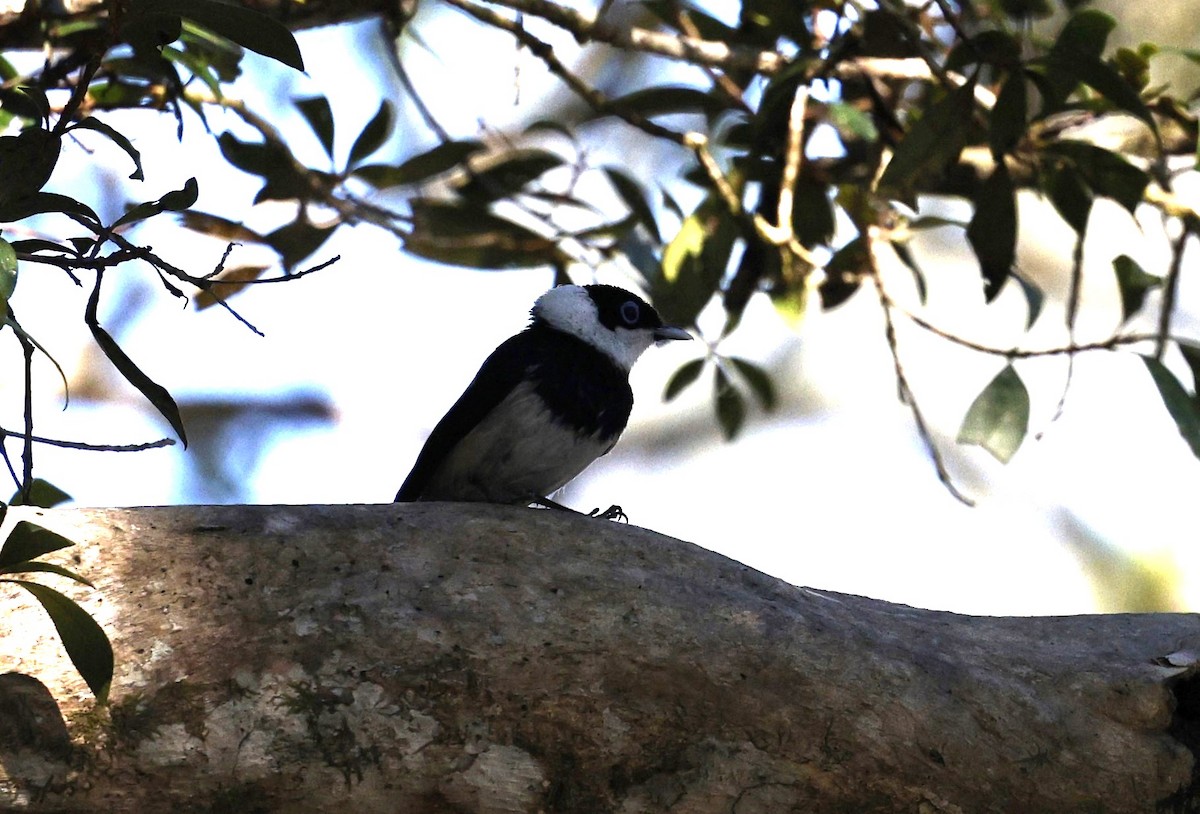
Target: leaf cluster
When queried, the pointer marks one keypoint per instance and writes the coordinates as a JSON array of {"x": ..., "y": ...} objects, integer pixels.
[
  {"x": 86, "y": 643},
  {"x": 136, "y": 59},
  {"x": 949, "y": 98}
]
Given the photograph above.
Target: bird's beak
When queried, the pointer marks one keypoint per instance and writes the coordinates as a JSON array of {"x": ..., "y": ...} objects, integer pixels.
[{"x": 669, "y": 332}]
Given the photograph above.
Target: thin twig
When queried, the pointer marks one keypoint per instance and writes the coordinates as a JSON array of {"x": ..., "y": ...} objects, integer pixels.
[
  {"x": 1074, "y": 293},
  {"x": 545, "y": 52},
  {"x": 781, "y": 235},
  {"x": 720, "y": 79},
  {"x": 87, "y": 447},
  {"x": 1112, "y": 343},
  {"x": 423, "y": 109},
  {"x": 906, "y": 393},
  {"x": 686, "y": 49},
  {"x": 27, "y": 446},
  {"x": 294, "y": 275},
  {"x": 784, "y": 232},
  {"x": 1171, "y": 290},
  {"x": 12, "y": 470},
  {"x": 698, "y": 144}
]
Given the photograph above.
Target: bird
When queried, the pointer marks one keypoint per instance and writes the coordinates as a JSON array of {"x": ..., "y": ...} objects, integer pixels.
[{"x": 544, "y": 405}]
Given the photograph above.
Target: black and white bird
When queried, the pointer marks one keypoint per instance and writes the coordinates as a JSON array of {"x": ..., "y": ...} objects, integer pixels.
[{"x": 545, "y": 404}]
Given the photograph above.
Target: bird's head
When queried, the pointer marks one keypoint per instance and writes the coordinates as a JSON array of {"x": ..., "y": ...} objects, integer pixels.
[{"x": 612, "y": 320}]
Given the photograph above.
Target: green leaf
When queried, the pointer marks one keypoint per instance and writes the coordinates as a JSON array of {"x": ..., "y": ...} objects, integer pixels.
[
  {"x": 1179, "y": 404},
  {"x": 8, "y": 277},
  {"x": 813, "y": 217},
  {"x": 1034, "y": 299},
  {"x": 35, "y": 244},
  {"x": 1104, "y": 79},
  {"x": 844, "y": 273},
  {"x": 147, "y": 28},
  {"x": 849, "y": 120},
  {"x": 1085, "y": 33},
  {"x": 1076, "y": 57},
  {"x": 256, "y": 158},
  {"x": 47, "y": 568},
  {"x": 933, "y": 142},
  {"x": 249, "y": 28},
  {"x": 466, "y": 234},
  {"x": 373, "y": 135},
  {"x": 222, "y": 57},
  {"x": 990, "y": 46},
  {"x": 28, "y": 541},
  {"x": 506, "y": 174},
  {"x": 442, "y": 158},
  {"x": 174, "y": 201},
  {"x": 905, "y": 254},
  {"x": 319, "y": 115},
  {"x": 694, "y": 262},
  {"x": 26, "y": 336},
  {"x": 1108, "y": 174},
  {"x": 1133, "y": 283},
  {"x": 297, "y": 240},
  {"x": 1191, "y": 355},
  {"x": 687, "y": 373},
  {"x": 41, "y": 202},
  {"x": 219, "y": 227},
  {"x": 1026, "y": 8},
  {"x": 759, "y": 381},
  {"x": 1134, "y": 67},
  {"x": 283, "y": 180},
  {"x": 26, "y": 163},
  {"x": 118, "y": 138},
  {"x": 155, "y": 393},
  {"x": 667, "y": 99},
  {"x": 85, "y": 641},
  {"x": 1070, "y": 196},
  {"x": 993, "y": 230},
  {"x": 634, "y": 197},
  {"x": 924, "y": 222},
  {"x": 1009, "y": 115},
  {"x": 200, "y": 69},
  {"x": 43, "y": 494},
  {"x": 998, "y": 419},
  {"x": 551, "y": 126},
  {"x": 730, "y": 406}
]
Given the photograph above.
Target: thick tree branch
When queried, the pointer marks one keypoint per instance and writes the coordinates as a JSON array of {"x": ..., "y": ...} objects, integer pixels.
[{"x": 434, "y": 658}]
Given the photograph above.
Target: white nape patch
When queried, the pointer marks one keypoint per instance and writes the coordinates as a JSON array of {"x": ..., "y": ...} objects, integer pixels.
[
  {"x": 570, "y": 309},
  {"x": 517, "y": 453}
]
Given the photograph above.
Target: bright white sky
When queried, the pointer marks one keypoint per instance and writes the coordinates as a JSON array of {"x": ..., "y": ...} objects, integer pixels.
[{"x": 834, "y": 492}]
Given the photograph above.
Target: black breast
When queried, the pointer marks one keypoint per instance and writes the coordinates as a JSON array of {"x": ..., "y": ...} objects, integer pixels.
[{"x": 582, "y": 387}]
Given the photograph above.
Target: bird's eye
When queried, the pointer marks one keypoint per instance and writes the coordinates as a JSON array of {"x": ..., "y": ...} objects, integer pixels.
[{"x": 630, "y": 312}]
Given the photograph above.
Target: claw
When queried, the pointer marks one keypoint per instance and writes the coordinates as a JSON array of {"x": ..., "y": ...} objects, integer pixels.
[{"x": 613, "y": 512}]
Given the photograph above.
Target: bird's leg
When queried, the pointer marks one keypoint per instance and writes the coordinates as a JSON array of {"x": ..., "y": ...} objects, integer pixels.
[{"x": 611, "y": 513}]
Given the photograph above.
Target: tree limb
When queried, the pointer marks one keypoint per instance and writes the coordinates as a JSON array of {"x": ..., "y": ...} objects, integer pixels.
[{"x": 436, "y": 658}]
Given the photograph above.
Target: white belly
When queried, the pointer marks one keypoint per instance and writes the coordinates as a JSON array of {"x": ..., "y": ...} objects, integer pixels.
[{"x": 518, "y": 453}]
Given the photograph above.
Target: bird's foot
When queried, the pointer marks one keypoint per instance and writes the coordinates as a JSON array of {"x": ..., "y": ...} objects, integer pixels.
[{"x": 613, "y": 512}]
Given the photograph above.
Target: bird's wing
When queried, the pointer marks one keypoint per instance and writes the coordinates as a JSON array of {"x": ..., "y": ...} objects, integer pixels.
[{"x": 500, "y": 373}]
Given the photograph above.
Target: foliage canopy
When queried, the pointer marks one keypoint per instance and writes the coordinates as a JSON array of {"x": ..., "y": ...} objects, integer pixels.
[{"x": 967, "y": 99}]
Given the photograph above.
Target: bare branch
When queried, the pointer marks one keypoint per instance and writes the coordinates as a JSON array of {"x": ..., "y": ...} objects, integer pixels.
[
  {"x": 1112, "y": 343},
  {"x": 88, "y": 447},
  {"x": 673, "y": 46},
  {"x": 1171, "y": 288},
  {"x": 545, "y": 52},
  {"x": 906, "y": 394}
]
